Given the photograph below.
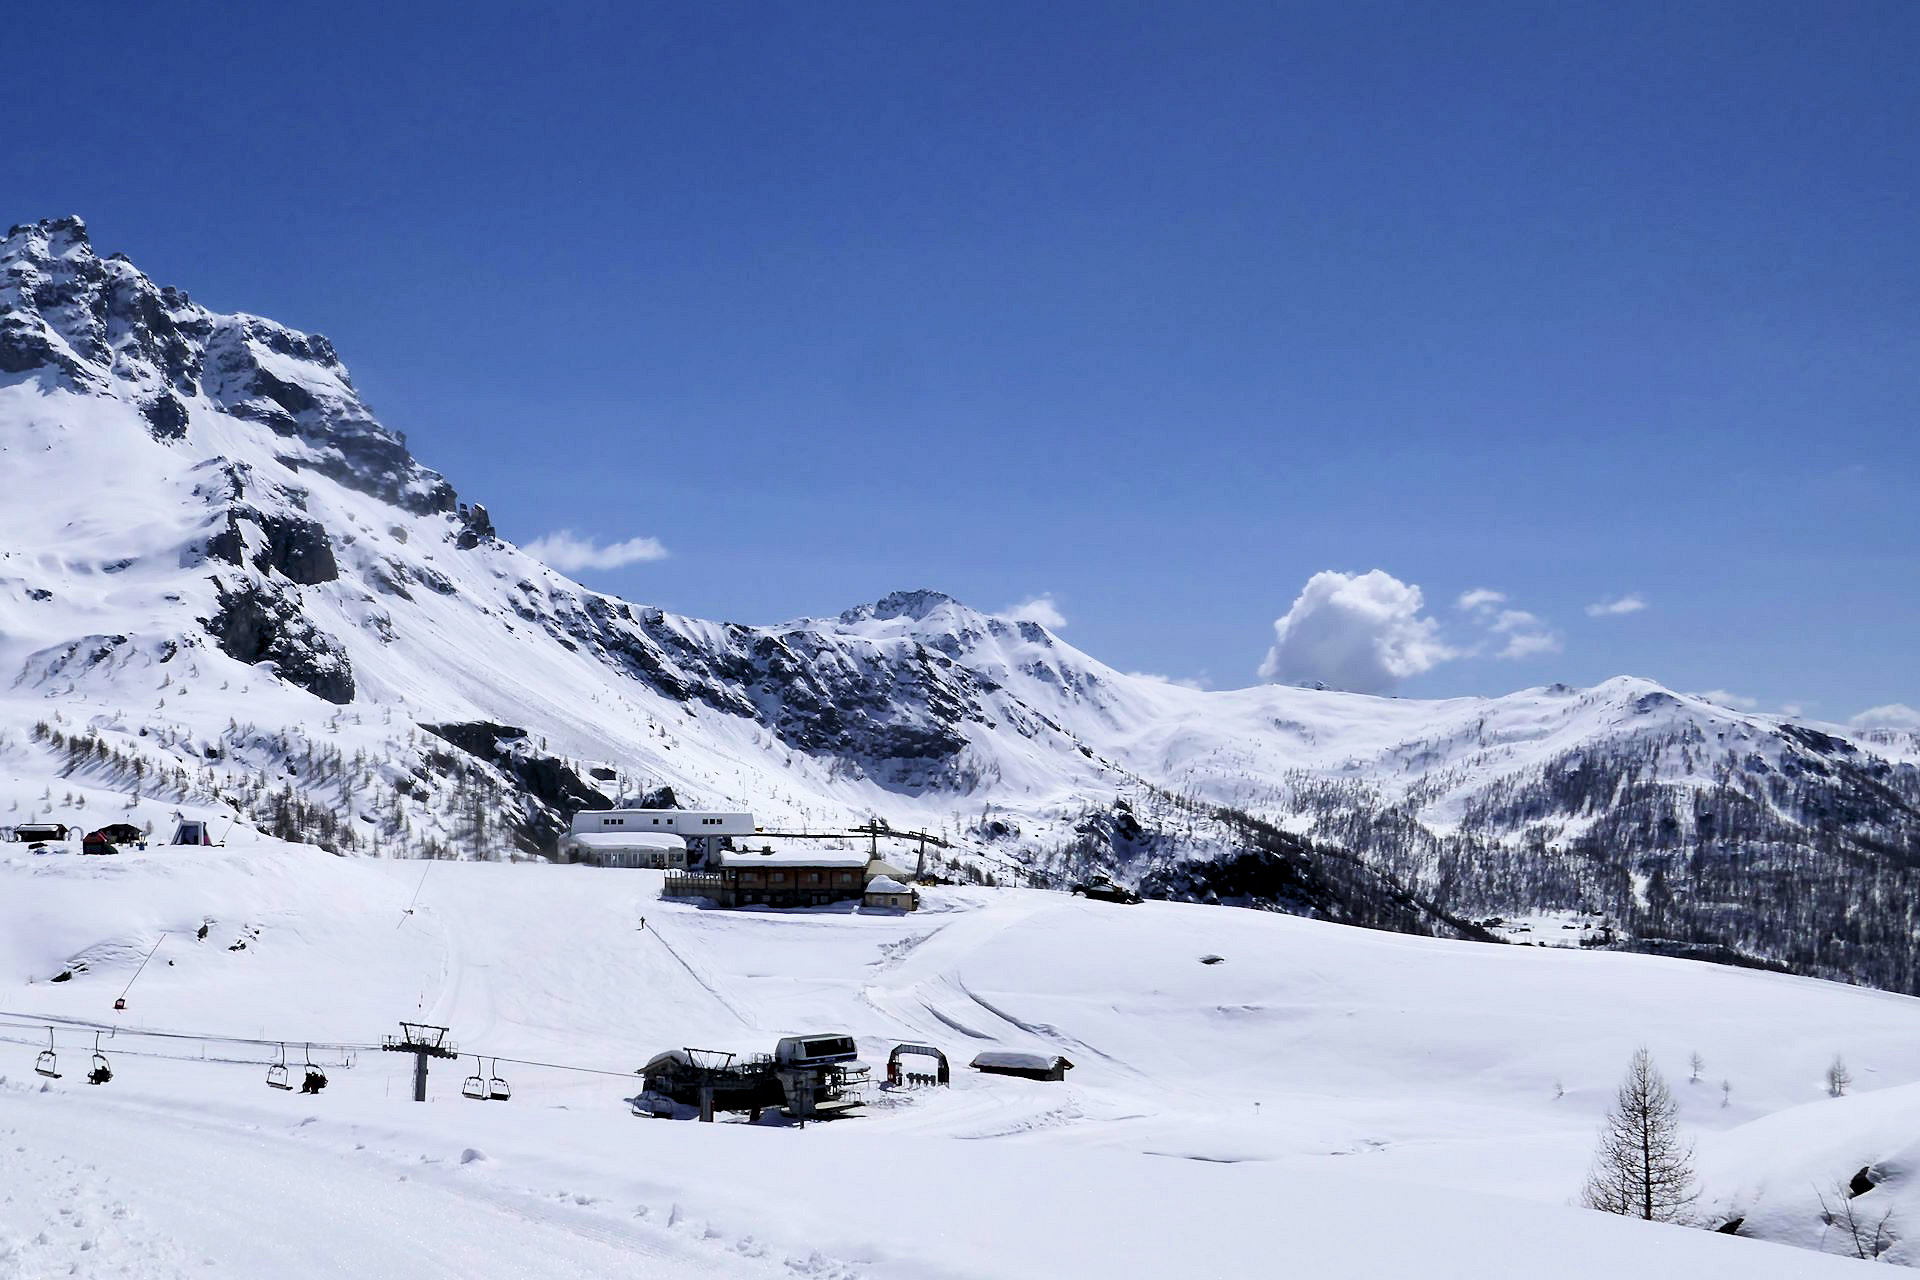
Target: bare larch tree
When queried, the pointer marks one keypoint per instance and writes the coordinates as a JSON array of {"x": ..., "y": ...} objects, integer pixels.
[
  {"x": 1838, "y": 1077},
  {"x": 1643, "y": 1169}
]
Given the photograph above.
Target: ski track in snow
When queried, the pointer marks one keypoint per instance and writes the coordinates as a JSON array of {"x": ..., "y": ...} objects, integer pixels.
[
  {"x": 220, "y": 1201},
  {"x": 1209, "y": 1115}
]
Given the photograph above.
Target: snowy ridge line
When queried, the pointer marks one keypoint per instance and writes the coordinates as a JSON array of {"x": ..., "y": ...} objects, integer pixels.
[{"x": 266, "y": 585}]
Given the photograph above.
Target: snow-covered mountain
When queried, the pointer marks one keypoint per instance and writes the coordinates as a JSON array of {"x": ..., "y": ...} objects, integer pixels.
[{"x": 227, "y": 588}]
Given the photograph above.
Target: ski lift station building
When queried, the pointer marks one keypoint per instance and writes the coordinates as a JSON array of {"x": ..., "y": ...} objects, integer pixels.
[{"x": 669, "y": 838}]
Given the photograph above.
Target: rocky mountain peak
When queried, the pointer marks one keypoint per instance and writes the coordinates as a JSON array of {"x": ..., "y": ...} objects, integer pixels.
[
  {"x": 100, "y": 326},
  {"x": 915, "y": 606}
]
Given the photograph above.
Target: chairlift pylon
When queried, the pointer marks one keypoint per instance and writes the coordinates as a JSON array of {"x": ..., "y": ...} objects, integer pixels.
[
  {"x": 46, "y": 1064},
  {"x": 498, "y": 1090},
  {"x": 101, "y": 1072},
  {"x": 475, "y": 1085},
  {"x": 277, "y": 1072}
]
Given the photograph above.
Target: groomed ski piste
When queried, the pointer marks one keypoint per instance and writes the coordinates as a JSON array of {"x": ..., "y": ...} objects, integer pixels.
[{"x": 1320, "y": 1101}]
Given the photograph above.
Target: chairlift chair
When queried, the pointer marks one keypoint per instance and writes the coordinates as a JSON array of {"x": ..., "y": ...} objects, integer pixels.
[
  {"x": 315, "y": 1079},
  {"x": 475, "y": 1085},
  {"x": 277, "y": 1072},
  {"x": 46, "y": 1064},
  {"x": 101, "y": 1072},
  {"x": 497, "y": 1088}
]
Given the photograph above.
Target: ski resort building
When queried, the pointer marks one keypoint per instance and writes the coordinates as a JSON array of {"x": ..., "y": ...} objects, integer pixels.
[
  {"x": 765, "y": 878},
  {"x": 626, "y": 849},
  {"x": 699, "y": 832}
]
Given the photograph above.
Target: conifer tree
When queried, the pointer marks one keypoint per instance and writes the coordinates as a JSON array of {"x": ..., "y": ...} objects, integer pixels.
[{"x": 1643, "y": 1169}]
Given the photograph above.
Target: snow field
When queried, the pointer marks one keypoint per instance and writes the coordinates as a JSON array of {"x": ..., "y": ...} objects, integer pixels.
[{"x": 1365, "y": 1101}]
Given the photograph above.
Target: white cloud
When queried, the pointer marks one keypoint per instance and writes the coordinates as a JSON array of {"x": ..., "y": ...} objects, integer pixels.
[
  {"x": 1479, "y": 598},
  {"x": 1895, "y": 715},
  {"x": 1361, "y": 632},
  {"x": 1525, "y": 644},
  {"x": 1040, "y": 609},
  {"x": 1632, "y": 602},
  {"x": 1179, "y": 682},
  {"x": 1527, "y": 634},
  {"x": 568, "y": 552},
  {"x": 1739, "y": 702}
]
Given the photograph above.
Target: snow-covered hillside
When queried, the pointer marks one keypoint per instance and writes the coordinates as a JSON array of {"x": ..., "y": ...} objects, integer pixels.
[
  {"x": 230, "y": 591},
  {"x": 1358, "y": 1102}
]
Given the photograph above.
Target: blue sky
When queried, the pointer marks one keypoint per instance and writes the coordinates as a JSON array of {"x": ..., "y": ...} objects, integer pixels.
[{"x": 1158, "y": 311}]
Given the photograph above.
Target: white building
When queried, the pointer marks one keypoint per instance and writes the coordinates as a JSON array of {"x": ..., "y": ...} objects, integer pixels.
[
  {"x": 699, "y": 830},
  {"x": 686, "y": 823},
  {"x": 626, "y": 849}
]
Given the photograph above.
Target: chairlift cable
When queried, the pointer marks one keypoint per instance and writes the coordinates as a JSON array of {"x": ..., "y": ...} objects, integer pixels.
[
  {"x": 277, "y": 1046},
  {"x": 82, "y": 1024},
  {"x": 143, "y": 964},
  {"x": 416, "y": 894}
]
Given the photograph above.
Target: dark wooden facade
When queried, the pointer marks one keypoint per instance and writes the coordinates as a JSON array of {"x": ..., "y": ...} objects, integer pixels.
[{"x": 775, "y": 885}]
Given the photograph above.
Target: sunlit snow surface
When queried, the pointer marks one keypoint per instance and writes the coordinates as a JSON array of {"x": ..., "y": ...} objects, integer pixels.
[{"x": 1323, "y": 1101}]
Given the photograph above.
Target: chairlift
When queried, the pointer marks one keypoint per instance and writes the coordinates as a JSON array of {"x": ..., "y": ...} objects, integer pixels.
[
  {"x": 46, "y": 1064},
  {"x": 475, "y": 1085},
  {"x": 120, "y": 1004},
  {"x": 315, "y": 1079},
  {"x": 497, "y": 1089},
  {"x": 277, "y": 1073},
  {"x": 101, "y": 1072}
]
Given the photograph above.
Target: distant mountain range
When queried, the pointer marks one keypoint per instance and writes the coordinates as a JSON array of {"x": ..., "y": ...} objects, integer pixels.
[{"x": 226, "y": 587}]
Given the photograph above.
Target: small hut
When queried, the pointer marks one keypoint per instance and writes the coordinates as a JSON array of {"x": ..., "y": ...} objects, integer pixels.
[
  {"x": 192, "y": 831},
  {"x": 888, "y": 894},
  {"x": 1030, "y": 1066}
]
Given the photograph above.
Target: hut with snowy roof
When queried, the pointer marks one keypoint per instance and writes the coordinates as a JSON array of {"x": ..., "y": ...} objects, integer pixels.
[
  {"x": 884, "y": 893},
  {"x": 1031, "y": 1066}
]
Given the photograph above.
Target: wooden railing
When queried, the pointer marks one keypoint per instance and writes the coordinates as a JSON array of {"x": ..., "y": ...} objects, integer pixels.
[{"x": 693, "y": 884}]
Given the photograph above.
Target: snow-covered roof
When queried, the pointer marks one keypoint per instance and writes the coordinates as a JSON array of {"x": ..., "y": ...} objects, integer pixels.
[
  {"x": 1016, "y": 1061},
  {"x": 885, "y": 884},
  {"x": 834, "y": 858},
  {"x": 608, "y": 840}
]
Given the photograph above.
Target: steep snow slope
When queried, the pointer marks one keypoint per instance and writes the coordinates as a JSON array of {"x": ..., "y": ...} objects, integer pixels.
[
  {"x": 232, "y": 592},
  {"x": 1358, "y": 1102}
]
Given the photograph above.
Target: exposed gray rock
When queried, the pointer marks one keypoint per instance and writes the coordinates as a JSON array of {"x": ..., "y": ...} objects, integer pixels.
[
  {"x": 296, "y": 546},
  {"x": 93, "y": 322},
  {"x": 257, "y": 623}
]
